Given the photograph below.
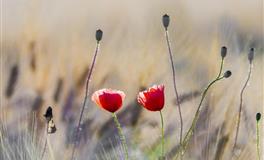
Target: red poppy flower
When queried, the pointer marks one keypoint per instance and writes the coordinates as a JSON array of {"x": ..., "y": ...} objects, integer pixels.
[
  {"x": 153, "y": 98},
  {"x": 108, "y": 99}
]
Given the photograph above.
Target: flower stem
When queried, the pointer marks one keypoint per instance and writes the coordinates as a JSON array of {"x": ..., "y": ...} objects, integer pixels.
[
  {"x": 162, "y": 135},
  {"x": 45, "y": 145},
  {"x": 195, "y": 119},
  {"x": 121, "y": 135},
  {"x": 85, "y": 99},
  {"x": 240, "y": 105},
  {"x": 174, "y": 84},
  {"x": 258, "y": 139}
]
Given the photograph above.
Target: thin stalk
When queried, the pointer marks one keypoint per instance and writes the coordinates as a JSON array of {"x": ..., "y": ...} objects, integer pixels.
[
  {"x": 258, "y": 139},
  {"x": 162, "y": 135},
  {"x": 240, "y": 105},
  {"x": 121, "y": 135},
  {"x": 195, "y": 119},
  {"x": 44, "y": 149},
  {"x": 174, "y": 84},
  {"x": 45, "y": 144},
  {"x": 85, "y": 98},
  {"x": 221, "y": 68}
]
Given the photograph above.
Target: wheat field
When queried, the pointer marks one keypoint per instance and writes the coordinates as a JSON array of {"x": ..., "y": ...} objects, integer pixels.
[{"x": 47, "y": 48}]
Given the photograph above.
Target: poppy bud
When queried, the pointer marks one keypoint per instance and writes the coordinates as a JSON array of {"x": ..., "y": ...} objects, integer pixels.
[
  {"x": 258, "y": 116},
  {"x": 166, "y": 21},
  {"x": 99, "y": 35},
  {"x": 48, "y": 115},
  {"x": 223, "y": 51},
  {"x": 251, "y": 55},
  {"x": 227, "y": 74}
]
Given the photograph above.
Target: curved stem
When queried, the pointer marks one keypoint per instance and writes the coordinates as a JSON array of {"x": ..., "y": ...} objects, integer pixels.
[
  {"x": 195, "y": 119},
  {"x": 85, "y": 99},
  {"x": 121, "y": 135},
  {"x": 174, "y": 84},
  {"x": 162, "y": 135},
  {"x": 240, "y": 105}
]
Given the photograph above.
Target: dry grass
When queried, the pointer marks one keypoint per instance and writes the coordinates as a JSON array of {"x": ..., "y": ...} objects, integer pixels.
[{"x": 133, "y": 54}]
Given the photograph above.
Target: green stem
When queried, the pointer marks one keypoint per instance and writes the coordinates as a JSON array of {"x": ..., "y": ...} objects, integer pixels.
[
  {"x": 121, "y": 135},
  {"x": 221, "y": 68},
  {"x": 258, "y": 144},
  {"x": 195, "y": 119},
  {"x": 174, "y": 84},
  {"x": 241, "y": 105},
  {"x": 162, "y": 135}
]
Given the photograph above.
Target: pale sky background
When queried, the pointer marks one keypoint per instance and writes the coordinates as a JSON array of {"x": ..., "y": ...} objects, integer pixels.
[{"x": 66, "y": 16}]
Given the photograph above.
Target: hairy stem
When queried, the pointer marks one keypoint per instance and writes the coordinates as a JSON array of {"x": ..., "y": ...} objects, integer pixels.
[
  {"x": 240, "y": 105},
  {"x": 85, "y": 98},
  {"x": 162, "y": 135},
  {"x": 121, "y": 135},
  {"x": 174, "y": 83}
]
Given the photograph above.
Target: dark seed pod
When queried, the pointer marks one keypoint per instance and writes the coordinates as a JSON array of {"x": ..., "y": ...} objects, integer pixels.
[
  {"x": 166, "y": 21},
  {"x": 99, "y": 35},
  {"x": 251, "y": 55},
  {"x": 258, "y": 116},
  {"x": 227, "y": 74},
  {"x": 223, "y": 51},
  {"x": 48, "y": 115}
]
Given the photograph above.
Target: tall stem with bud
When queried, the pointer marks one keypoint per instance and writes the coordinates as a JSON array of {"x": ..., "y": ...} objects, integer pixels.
[
  {"x": 189, "y": 133},
  {"x": 98, "y": 36},
  {"x": 250, "y": 58},
  {"x": 166, "y": 21}
]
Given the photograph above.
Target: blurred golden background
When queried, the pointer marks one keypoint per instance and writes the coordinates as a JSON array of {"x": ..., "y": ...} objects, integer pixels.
[{"x": 48, "y": 47}]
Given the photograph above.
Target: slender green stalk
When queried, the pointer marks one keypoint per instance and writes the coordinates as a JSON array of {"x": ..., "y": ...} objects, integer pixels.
[
  {"x": 174, "y": 83},
  {"x": 240, "y": 105},
  {"x": 85, "y": 99},
  {"x": 258, "y": 139},
  {"x": 221, "y": 68},
  {"x": 195, "y": 119},
  {"x": 162, "y": 135},
  {"x": 121, "y": 135}
]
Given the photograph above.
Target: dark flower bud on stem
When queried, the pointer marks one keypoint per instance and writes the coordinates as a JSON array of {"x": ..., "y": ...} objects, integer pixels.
[
  {"x": 251, "y": 55},
  {"x": 223, "y": 51},
  {"x": 258, "y": 116},
  {"x": 99, "y": 35},
  {"x": 48, "y": 115},
  {"x": 166, "y": 21},
  {"x": 227, "y": 74}
]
